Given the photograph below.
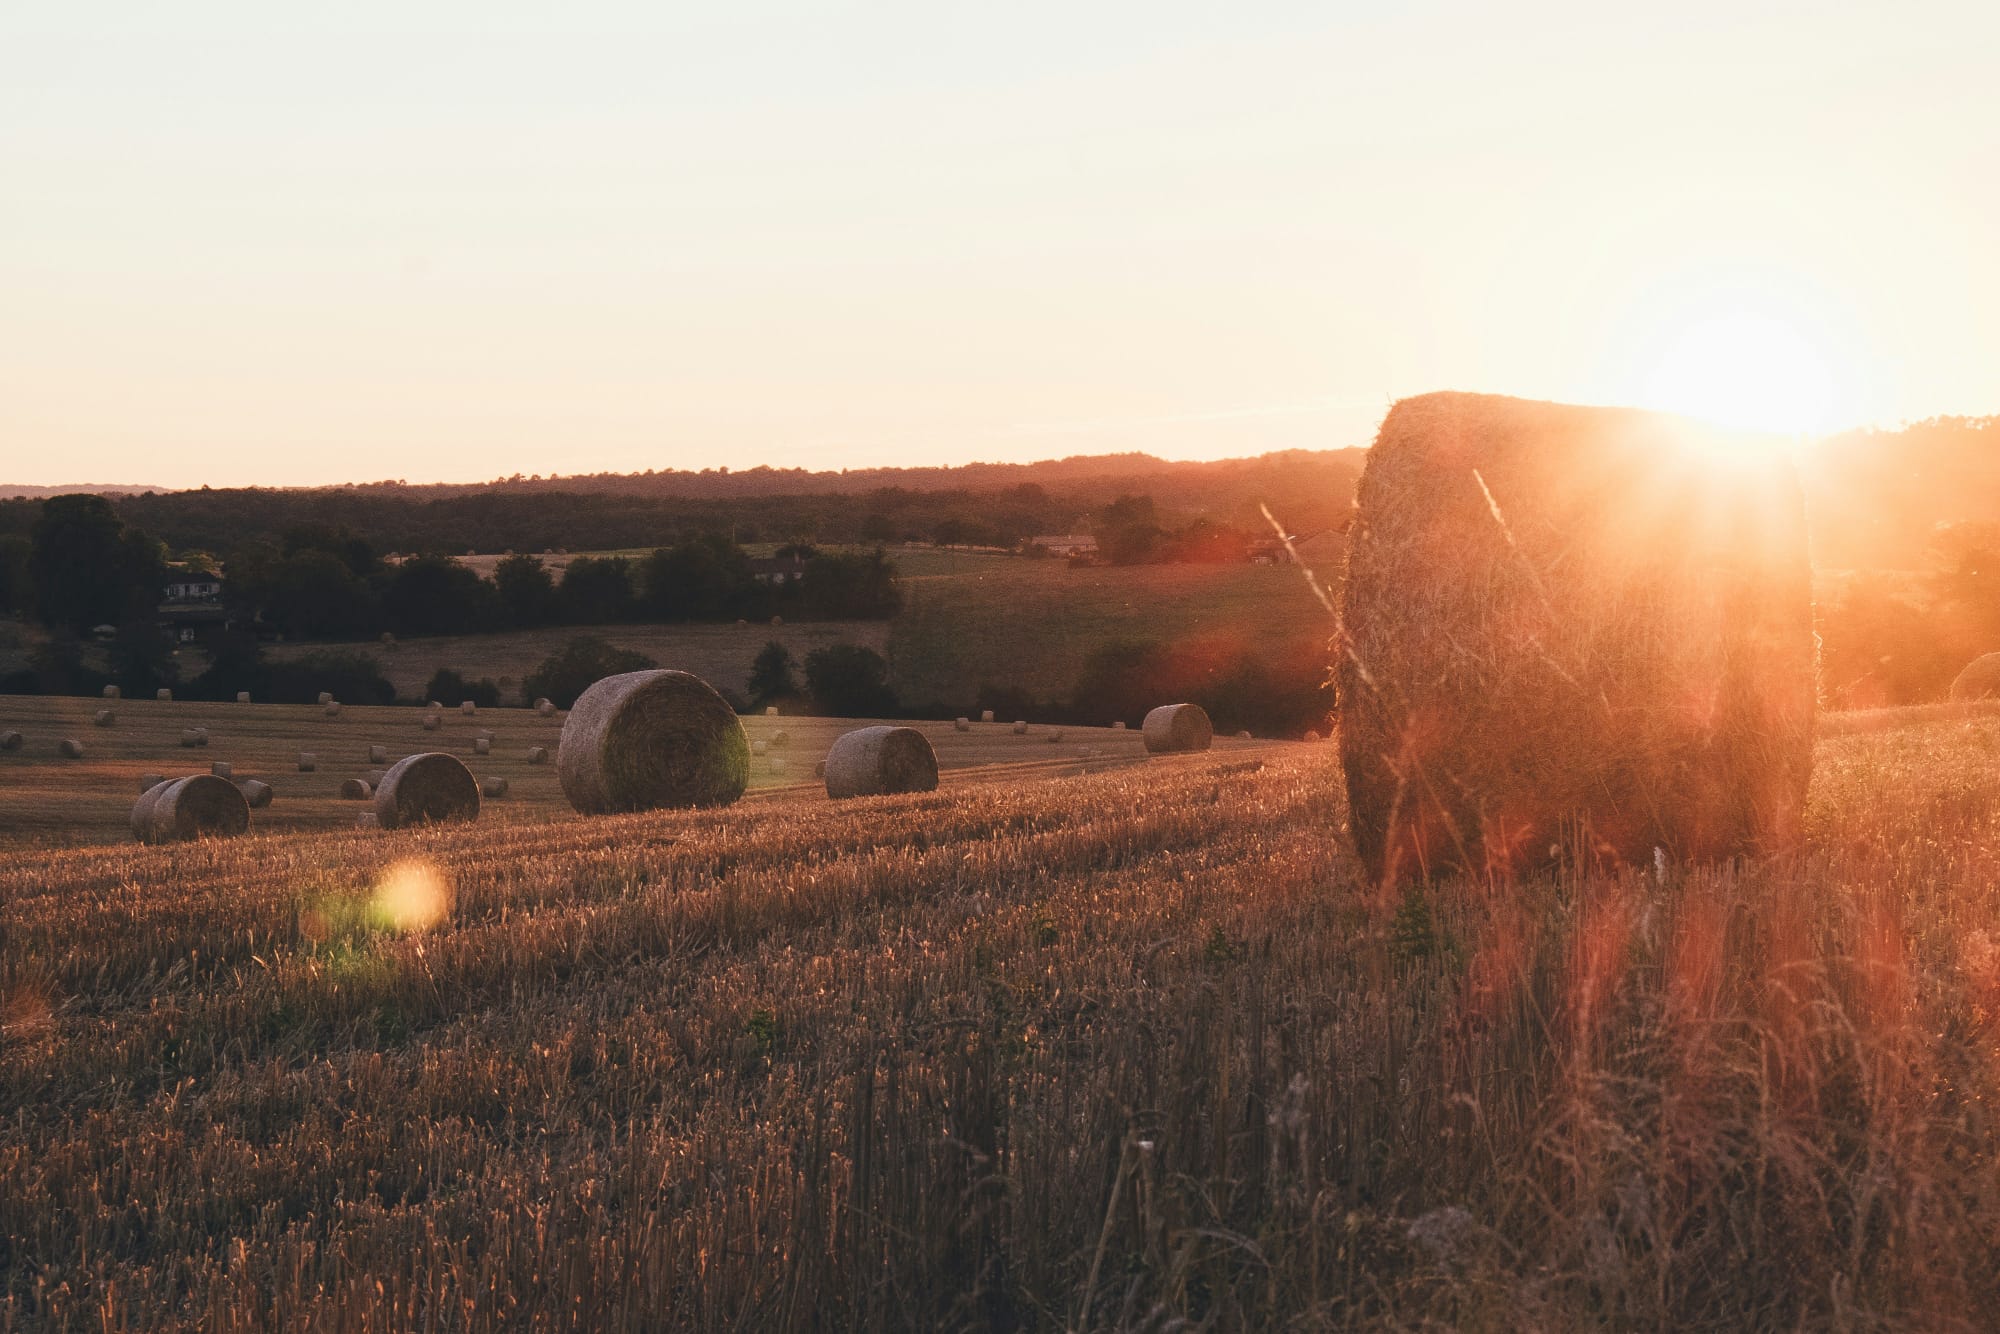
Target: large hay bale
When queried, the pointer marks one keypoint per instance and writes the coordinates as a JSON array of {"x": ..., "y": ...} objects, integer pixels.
[
  {"x": 1177, "y": 727},
  {"x": 425, "y": 788},
  {"x": 192, "y": 737},
  {"x": 1118, "y": 725},
  {"x": 104, "y": 718},
  {"x": 1572, "y": 629},
  {"x": 780, "y": 739},
  {"x": 986, "y": 715},
  {"x": 355, "y": 789},
  {"x": 308, "y": 762},
  {"x": 770, "y": 710},
  {"x": 11, "y": 740},
  {"x": 332, "y": 710},
  {"x": 641, "y": 740},
  {"x": 1979, "y": 680},
  {"x": 256, "y": 792},
  {"x": 111, "y": 692},
  {"x": 493, "y": 786},
  {"x": 871, "y": 761},
  {"x": 758, "y": 747},
  {"x": 199, "y": 806},
  {"x": 374, "y": 777},
  {"x": 70, "y": 748}
]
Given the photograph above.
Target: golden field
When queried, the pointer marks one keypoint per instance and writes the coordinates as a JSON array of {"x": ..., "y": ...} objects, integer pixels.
[{"x": 1133, "y": 1049}]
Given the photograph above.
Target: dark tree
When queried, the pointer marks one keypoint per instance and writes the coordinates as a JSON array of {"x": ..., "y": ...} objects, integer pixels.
[
  {"x": 88, "y": 568},
  {"x": 434, "y": 595},
  {"x": 705, "y": 578},
  {"x": 17, "y": 590},
  {"x": 849, "y": 681},
  {"x": 142, "y": 658},
  {"x": 316, "y": 595},
  {"x": 850, "y": 587},
  {"x": 451, "y": 689},
  {"x": 526, "y": 591},
  {"x": 583, "y": 661},
  {"x": 595, "y": 590},
  {"x": 771, "y": 679}
]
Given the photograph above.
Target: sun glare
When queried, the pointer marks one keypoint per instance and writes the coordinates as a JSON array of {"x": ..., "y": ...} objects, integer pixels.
[{"x": 412, "y": 896}]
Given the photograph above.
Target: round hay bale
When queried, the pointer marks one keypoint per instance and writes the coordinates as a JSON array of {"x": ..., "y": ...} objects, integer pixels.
[
  {"x": 374, "y": 777},
  {"x": 332, "y": 710},
  {"x": 111, "y": 692},
  {"x": 1310, "y": 735},
  {"x": 538, "y": 754},
  {"x": 378, "y": 754},
  {"x": 777, "y": 620},
  {"x": 770, "y": 710},
  {"x": 432, "y": 722},
  {"x": 819, "y": 768},
  {"x": 255, "y": 792},
  {"x": 147, "y": 782},
  {"x": 70, "y": 748},
  {"x": 11, "y": 741},
  {"x": 1979, "y": 680},
  {"x": 481, "y": 746},
  {"x": 780, "y": 739},
  {"x": 1020, "y": 727},
  {"x": 192, "y": 737},
  {"x": 778, "y": 765},
  {"x": 1177, "y": 727},
  {"x": 494, "y": 786},
  {"x": 199, "y": 806},
  {"x": 1587, "y": 629},
  {"x": 545, "y": 706},
  {"x": 468, "y": 708},
  {"x": 641, "y": 740},
  {"x": 366, "y": 820},
  {"x": 163, "y": 695},
  {"x": 242, "y": 697},
  {"x": 961, "y": 724},
  {"x": 308, "y": 762},
  {"x": 434, "y": 706},
  {"x": 325, "y": 697},
  {"x": 425, "y": 788},
  {"x": 355, "y": 789},
  {"x": 1243, "y": 735},
  {"x": 387, "y": 639},
  {"x": 220, "y": 768},
  {"x": 871, "y": 761},
  {"x": 1055, "y": 736},
  {"x": 1118, "y": 725},
  {"x": 758, "y": 747},
  {"x": 986, "y": 715},
  {"x": 104, "y": 718}
]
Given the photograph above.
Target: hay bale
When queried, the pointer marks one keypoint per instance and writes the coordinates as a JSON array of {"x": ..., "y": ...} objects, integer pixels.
[
  {"x": 778, "y": 765},
  {"x": 374, "y": 777},
  {"x": 986, "y": 715},
  {"x": 494, "y": 786},
  {"x": 308, "y": 762},
  {"x": 163, "y": 695},
  {"x": 355, "y": 789},
  {"x": 422, "y": 789},
  {"x": 104, "y": 718},
  {"x": 1310, "y": 735},
  {"x": 1243, "y": 735},
  {"x": 777, "y": 620},
  {"x": 199, "y": 806},
  {"x": 482, "y": 746},
  {"x": 366, "y": 820},
  {"x": 819, "y": 768},
  {"x": 1979, "y": 680},
  {"x": 780, "y": 739},
  {"x": 325, "y": 697},
  {"x": 770, "y": 710},
  {"x": 1021, "y": 727},
  {"x": 192, "y": 737},
  {"x": 1055, "y": 736},
  {"x": 11, "y": 741},
  {"x": 1572, "y": 628},
  {"x": 378, "y": 754},
  {"x": 147, "y": 782},
  {"x": 641, "y": 740},
  {"x": 468, "y": 708},
  {"x": 220, "y": 768},
  {"x": 1177, "y": 727},
  {"x": 961, "y": 724},
  {"x": 387, "y": 639},
  {"x": 538, "y": 754},
  {"x": 545, "y": 706},
  {"x": 875, "y": 760},
  {"x": 70, "y": 748},
  {"x": 111, "y": 692},
  {"x": 758, "y": 747},
  {"x": 242, "y": 697},
  {"x": 255, "y": 792},
  {"x": 1118, "y": 725},
  {"x": 432, "y": 722},
  {"x": 332, "y": 710}
]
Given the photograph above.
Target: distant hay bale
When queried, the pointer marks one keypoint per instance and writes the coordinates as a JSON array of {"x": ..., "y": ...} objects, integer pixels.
[
  {"x": 332, "y": 710},
  {"x": 872, "y": 761},
  {"x": 538, "y": 754},
  {"x": 1055, "y": 736},
  {"x": 1118, "y": 725},
  {"x": 11, "y": 741},
  {"x": 387, "y": 639},
  {"x": 256, "y": 792},
  {"x": 422, "y": 789},
  {"x": 325, "y": 697},
  {"x": 366, "y": 820},
  {"x": 986, "y": 715},
  {"x": 1177, "y": 727},
  {"x": 433, "y": 706},
  {"x": 481, "y": 746},
  {"x": 378, "y": 754},
  {"x": 468, "y": 708},
  {"x": 242, "y": 697},
  {"x": 1584, "y": 629},
  {"x": 1021, "y": 727},
  {"x": 1310, "y": 735},
  {"x": 819, "y": 768},
  {"x": 104, "y": 718},
  {"x": 545, "y": 706},
  {"x": 192, "y": 737},
  {"x": 70, "y": 748},
  {"x": 374, "y": 777},
  {"x": 199, "y": 806},
  {"x": 780, "y": 739},
  {"x": 778, "y": 764},
  {"x": 777, "y": 620},
  {"x": 758, "y": 747},
  {"x": 432, "y": 722},
  {"x": 641, "y": 740},
  {"x": 308, "y": 762},
  {"x": 1979, "y": 680},
  {"x": 961, "y": 724},
  {"x": 494, "y": 786},
  {"x": 147, "y": 782},
  {"x": 220, "y": 768},
  {"x": 355, "y": 789},
  {"x": 1243, "y": 735},
  {"x": 163, "y": 695},
  {"x": 770, "y": 710},
  {"x": 111, "y": 692}
]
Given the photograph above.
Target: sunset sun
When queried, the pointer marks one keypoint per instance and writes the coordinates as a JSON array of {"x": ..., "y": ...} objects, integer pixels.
[{"x": 1746, "y": 368}]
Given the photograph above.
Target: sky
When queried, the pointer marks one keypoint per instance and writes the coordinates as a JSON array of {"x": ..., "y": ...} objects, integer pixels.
[{"x": 244, "y": 243}]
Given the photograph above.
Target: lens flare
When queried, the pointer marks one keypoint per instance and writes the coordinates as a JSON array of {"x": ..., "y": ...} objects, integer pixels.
[{"x": 411, "y": 896}]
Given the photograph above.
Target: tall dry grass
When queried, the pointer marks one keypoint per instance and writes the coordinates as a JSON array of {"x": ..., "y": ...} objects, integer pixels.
[{"x": 1133, "y": 1050}]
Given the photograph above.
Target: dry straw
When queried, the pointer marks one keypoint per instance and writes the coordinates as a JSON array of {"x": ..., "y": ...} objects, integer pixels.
[
  {"x": 1979, "y": 680},
  {"x": 332, "y": 710},
  {"x": 482, "y": 746},
  {"x": 759, "y": 747},
  {"x": 432, "y": 722},
  {"x": 1572, "y": 629},
  {"x": 780, "y": 739},
  {"x": 199, "y": 806},
  {"x": 423, "y": 789},
  {"x": 961, "y": 724},
  {"x": 378, "y": 754},
  {"x": 642, "y": 740},
  {"x": 104, "y": 718},
  {"x": 1177, "y": 727},
  {"x": 872, "y": 761},
  {"x": 70, "y": 748},
  {"x": 256, "y": 792},
  {"x": 770, "y": 710},
  {"x": 325, "y": 697},
  {"x": 1021, "y": 727},
  {"x": 986, "y": 715},
  {"x": 1118, "y": 726},
  {"x": 468, "y": 708}
]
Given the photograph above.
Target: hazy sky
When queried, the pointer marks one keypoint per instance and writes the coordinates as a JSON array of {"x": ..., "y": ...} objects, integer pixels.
[{"x": 269, "y": 243}]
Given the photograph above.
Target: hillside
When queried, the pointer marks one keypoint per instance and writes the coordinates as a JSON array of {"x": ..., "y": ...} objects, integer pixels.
[{"x": 1027, "y": 1056}]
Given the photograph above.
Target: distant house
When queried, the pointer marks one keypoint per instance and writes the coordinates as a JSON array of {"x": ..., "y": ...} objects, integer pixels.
[
  {"x": 777, "y": 569},
  {"x": 191, "y": 606},
  {"x": 188, "y": 586},
  {"x": 1063, "y": 544}
]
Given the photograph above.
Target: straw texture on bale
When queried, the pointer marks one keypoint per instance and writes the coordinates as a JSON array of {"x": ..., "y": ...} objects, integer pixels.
[
  {"x": 199, "y": 806},
  {"x": 325, "y": 697},
  {"x": 493, "y": 787},
  {"x": 872, "y": 761},
  {"x": 355, "y": 789},
  {"x": 538, "y": 754},
  {"x": 374, "y": 777},
  {"x": 220, "y": 768},
  {"x": 422, "y": 789},
  {"x": 105, "y": 718},
  {"x": 1310, "y": 735},
  {"x": 111, "y": 692},
  {"x": 758, "y": 747},
  {"x": 10, "y": 740},
  {"x": 163, "y": 695},
  {"x": 70, "y": 748},
  {"x": 1177, "y": 727},
  {"x": 308, "y": 762},
  {"x": 332, "y": 710},
  {"x": 366, "y": 820},
  {"x": 780, "y": 739},
  {"x": 641, "y": 740},
  {"x": 1979, "y": 680},
  {"x": 1055, "y": 736},
  {"x": 1243, "y": 735},
  {"x": 819, "y": 768},
  {"x": 147, "y": 782},
  {"x": 1572, "y": 631},
  {"x": 256, "y": 792}
]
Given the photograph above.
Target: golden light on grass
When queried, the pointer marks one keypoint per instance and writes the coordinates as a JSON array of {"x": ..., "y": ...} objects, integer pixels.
[{"x": 412, "y": 895}]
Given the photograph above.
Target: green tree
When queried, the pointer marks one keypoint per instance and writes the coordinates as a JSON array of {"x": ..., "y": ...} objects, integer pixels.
[
  {"x": 87, "y": 568},
  {"x": 771, "y": 679},
  {"x": 142, "y": 657},
  {"x": 849, "y": 681},
  {"x": 582, "y": 662},
  {"x": 851, "y": 587},
  {"x": 595, "y": 590},
  {"x": 17, "y": 590},
  {"x": 435, "y": 595},
  {"x": 451, "y": 689},
  {"x": 314, "y": 594},
  {"x": 526, "y": 591},
  {"x": 705, "y": 578}
]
